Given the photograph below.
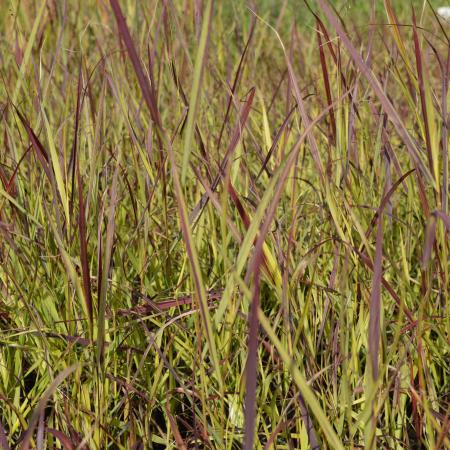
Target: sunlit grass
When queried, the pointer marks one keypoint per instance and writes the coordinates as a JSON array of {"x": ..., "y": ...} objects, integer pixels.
[{"x": 224, "y": 225}]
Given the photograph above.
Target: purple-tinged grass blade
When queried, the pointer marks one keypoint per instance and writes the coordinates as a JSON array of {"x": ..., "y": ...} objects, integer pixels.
[
  {"x": 195, "y": 94},
  {"x": 306, "y": 417},
  {"x": 251, "y": 373},
  {"x": 326, "y": 80},
  {"x": 10, "y": 187},
  {"x": 385, "y": 200},
  {"x": 237, "y": 78},
  {"x": 3, "y": 178},
  {"x": 41, "y": 153},
  {"x": 62, "y": 438},
  {"x": 306, "y": 121},
  {"x": 3, "y": 439},
  {"x": 83, "y": 249},
  {"x": 444, "y": 217},
  {"x": 430, "y": 236},
  {"x": 150, "y": 100},
  {"x": 40, "y": 433},
  {"x": 144, "y": 84},
  {"x": 73, "y": 155},
  {"x": 181, "y": 445},
  {"x": 377, "y": 88},
  {"x": 198, "y": 134},
  {"x": 444, "y": 144},
  {"x": 254, "y": 267},
  {"x": 368, "y": 263},
  {"x": 237, "y": 134},
  {"x": 275, "y": 142}
]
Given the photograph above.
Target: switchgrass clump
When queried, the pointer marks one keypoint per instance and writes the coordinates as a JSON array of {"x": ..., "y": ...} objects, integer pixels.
[{"x": 224, "y": 225}]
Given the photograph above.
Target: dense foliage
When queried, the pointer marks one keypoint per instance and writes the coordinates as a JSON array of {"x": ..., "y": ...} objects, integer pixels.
[{"x": 224, "y": 224}]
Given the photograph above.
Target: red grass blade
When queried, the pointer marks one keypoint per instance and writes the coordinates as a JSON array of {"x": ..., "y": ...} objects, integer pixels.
[
  {"x": 326, "y": 81},
  {"x": 41, "y": 153},
  {"x": 146, "y": 89},
  {"x": 368, "y": 262},
  {"x": 444, "y": 217},
  {"x": 106, "y": 264},
  {"x": 10, "y": 188}
]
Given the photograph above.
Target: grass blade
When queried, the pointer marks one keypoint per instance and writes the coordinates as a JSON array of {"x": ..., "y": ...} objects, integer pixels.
[
  {"x": 105, "y": 265},
  {"x": 252, "y": 361},
  {"x": 83, "y": 249},
  {"x": 144, "y": 84},
  {"x": 3, "y": 439},
  {"x": 302, "y": 384},
  {"x": 375, "y": 301},
  {"x": 377, "y": 88},
  {"x": 25, "y": 445},
  {"x": 195, "y": 89}
]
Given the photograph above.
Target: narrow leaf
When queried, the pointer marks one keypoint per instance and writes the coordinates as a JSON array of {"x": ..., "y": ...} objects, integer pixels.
[{"x": 194, "y": 100}]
